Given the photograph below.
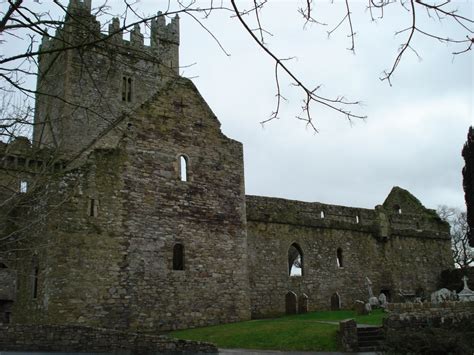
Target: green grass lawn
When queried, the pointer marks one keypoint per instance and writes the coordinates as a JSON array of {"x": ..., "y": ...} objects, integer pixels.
[{"x": 298, "y": 332}]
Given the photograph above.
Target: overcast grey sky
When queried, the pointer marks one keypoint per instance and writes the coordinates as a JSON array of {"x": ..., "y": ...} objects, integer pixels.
[{"x": 415, "y": 129}]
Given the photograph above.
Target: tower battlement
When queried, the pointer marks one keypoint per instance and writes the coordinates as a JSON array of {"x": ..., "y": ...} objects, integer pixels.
[
  {"x": 89, "y": 74},
  {"x": 89, "y": 30}
]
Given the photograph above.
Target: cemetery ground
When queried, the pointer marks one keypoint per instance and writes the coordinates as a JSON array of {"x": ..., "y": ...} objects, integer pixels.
[{"x": 314, "y": 331}]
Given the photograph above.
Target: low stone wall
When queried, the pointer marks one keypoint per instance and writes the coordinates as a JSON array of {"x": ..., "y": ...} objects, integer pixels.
[
  {"x": 348, "y": 335},
  {"x": 430, "y": 328},
  {"x": 87, "y": 339},
  {"x": 417, "y": 315}
]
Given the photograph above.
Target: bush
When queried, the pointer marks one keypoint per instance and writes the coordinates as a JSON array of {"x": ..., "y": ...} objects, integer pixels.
[{"x": 432, "y": 341}]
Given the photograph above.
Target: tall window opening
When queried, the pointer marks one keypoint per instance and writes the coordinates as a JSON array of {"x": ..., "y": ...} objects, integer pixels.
[
  {"x": 322, "y": 214},
  {"x": 183, "y": 168},
  {"x": 397, "y": 209},
  {"x": 23, "y": 186},
  {"x": 34, "y": 278},
  {"x": 127, "y": 89},
  {"x": 178, "y": 257},
  {"x": 295, "y": 260},
  {"x": 339, "y": 258}
]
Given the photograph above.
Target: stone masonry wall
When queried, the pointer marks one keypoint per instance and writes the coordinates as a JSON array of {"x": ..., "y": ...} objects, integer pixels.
[
  {"x": 78, "y": 256},
  {"x": 205, "y": 214},
  {"x": 407, "y": 260},
  {"x": 87, "y": 339}
]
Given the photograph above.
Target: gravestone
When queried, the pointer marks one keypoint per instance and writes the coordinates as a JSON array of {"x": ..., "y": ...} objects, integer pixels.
[
  {"x": 383, "y": 300},
  {"x": 373, "y": 301},
  {"x": 359, "y": 307},
  {"x": 466, "y": 295},
  {"x": 443, "y": 295},
  {"x": 335, "y": 302},
  {"x": 303, "y": 304},
  {"x": 290, "y": 303}
]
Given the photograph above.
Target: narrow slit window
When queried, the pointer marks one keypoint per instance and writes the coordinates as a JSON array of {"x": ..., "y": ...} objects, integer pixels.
[
  {"x": 23, "y": 186},
  {"x": 129, "y": 92},
  {"x": 339, "y": 258},
  {"x": 35, "y": 281},
  {"x": 357, "y": 219},
  {"x": 178, "y": 257},
  {"x": 93, "y": 207},
  {"x": 183, "y": 168},
  {"x": 322, "y": 214},
  {"x": 126, "y": 89}
]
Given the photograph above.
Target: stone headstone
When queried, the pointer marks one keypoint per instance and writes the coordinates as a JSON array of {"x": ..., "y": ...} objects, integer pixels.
[
  {"x": 290, "y": 303},
  {"x": 442, "y": 295},
  {"x": 383, "y": 300},
  {"x": 374, "y": 302},
  {"x": 361, "y": 308},
  {"x": 303, "y": 303},
  {"x": 466, "y": 295},
  {"x": 369, "y": 287},
  {"x": 335, "y": 302}
]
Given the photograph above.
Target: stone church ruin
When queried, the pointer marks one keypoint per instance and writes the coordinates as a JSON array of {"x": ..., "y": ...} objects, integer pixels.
[{"x": 128, "y": 209}]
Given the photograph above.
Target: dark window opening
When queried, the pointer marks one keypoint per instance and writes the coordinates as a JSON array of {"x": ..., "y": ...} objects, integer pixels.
[
  {"x": 35, "y": 282},
  {"x": 5, "y": 311},
  {"x": 183, "y": 168},
  {"x": 3, "y": 266},
  {"x": 127, "y": 89},
  {"x": 397, "y": 209},
  {"x": 295, "y": 260},
  {"x": 178, "y": 257},
  {"x": 93, "y": 207},
  {"x": 339, "y": 258}
]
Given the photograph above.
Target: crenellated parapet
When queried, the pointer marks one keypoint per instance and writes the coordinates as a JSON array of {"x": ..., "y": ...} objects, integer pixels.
[
  {"x": 160, "y": 31},
  {"x": 21, "y": 156},
  {"x": 82, "y": 28}
]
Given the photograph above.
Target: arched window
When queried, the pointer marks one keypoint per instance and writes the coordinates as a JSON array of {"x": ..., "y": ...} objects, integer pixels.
[
  {"x": 295, "y": 260},
  {"x": 397, "y": 209},
  {"x": 339, "y": 258},
  {"x": 178, "y": 257},
  {"x": 183, "y": 168}
]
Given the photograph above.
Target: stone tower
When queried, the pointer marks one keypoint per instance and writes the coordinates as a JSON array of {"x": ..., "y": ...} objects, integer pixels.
[{"x": 94, "y": 77}]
